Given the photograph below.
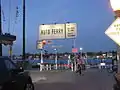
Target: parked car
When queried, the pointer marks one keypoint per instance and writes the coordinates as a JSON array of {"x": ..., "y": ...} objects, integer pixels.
[{"x": 13, "y": 77}]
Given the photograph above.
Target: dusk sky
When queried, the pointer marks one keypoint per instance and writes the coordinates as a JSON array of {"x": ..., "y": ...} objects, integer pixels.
[{"x": 92, "y": 17}]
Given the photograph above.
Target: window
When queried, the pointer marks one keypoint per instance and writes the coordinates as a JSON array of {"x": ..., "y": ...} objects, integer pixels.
[{"x": 9, "y": 65}]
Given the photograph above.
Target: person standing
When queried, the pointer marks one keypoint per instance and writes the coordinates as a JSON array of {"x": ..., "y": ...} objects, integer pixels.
[{"x": 79, "y": 66}]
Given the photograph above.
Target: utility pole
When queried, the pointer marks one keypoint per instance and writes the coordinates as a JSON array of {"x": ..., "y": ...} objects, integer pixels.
[
  {"x": 23, "y": 30},
  {"x": 0, "y": 27}
]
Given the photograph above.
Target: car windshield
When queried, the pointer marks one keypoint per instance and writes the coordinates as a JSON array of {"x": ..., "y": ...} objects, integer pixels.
[{"x": 9, "y": 64}]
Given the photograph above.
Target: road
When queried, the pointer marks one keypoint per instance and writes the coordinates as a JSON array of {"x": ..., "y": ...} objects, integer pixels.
[{"x": 91, "y": 80}]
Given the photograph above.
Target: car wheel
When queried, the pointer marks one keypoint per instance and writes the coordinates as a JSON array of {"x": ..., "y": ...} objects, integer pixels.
[{"x": 29, "y": 86}]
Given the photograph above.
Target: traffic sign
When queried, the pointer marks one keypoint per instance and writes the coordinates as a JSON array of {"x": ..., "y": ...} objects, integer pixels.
[
  {"x": 114, "y": 31},
  {"x": 74, "y": 50},
  {"x": 39, "y": 45}
]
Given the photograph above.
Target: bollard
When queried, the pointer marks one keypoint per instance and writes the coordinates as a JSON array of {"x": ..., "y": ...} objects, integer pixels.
[
  {"x": 75, "y": 67},
  {"x": 68, "y": 66},
  {"x": 47, "y": 67},
  {"x": 56, "y": 66},
  {"x": 41, "y": 67},
  {"x": 50, "y": 66},
  {"x": 72, "y": 67}
]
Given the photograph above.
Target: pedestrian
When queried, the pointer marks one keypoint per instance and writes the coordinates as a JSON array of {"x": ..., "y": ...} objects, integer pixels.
[{"x": 79, "y": 69}]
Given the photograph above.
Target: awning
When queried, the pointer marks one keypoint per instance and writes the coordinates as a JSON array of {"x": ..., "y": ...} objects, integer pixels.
[{"x": 7, "y": 38}]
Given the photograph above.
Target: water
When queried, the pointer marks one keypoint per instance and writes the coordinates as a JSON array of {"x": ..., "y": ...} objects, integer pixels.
[{"x": 90, "y": 61}]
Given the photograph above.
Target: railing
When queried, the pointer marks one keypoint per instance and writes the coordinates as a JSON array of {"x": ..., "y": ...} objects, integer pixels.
[{"x": 50, "y": 64}]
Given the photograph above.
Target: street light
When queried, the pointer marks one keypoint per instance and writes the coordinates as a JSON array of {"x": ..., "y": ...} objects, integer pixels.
[
  {"x": 115, "y": 4},
  {"x": 55, "y": 49},
  {"x": 81, "y": 49},
  {"x": 56, "y": 58}
]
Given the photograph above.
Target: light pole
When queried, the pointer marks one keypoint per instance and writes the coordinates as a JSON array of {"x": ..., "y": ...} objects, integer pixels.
[
  {"x": 40, "y": 46},
  {"x": 115, "y": 4},
  {"x": 41, "y": 61},
  {"x": 56, "y": 58},
  {"x": 81, "y": 49}
]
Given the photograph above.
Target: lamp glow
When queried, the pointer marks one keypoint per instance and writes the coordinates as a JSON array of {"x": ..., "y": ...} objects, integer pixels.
[
  {"x": 81, "y": 49},
  {"x": 115, "y": 4},
  {"x": 55, "y": 49}
]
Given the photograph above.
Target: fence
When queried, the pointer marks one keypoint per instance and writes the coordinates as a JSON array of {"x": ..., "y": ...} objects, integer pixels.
[{"x": 50, "y": 64}]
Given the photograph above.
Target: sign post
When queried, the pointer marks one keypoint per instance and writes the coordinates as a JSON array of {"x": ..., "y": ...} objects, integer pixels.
[
  {"x": 75, "y": 50},
  {"x": 40, "y": 47}
]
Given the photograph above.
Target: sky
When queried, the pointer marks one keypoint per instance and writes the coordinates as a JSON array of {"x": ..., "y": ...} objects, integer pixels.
[{"x": 93, "y": 17}]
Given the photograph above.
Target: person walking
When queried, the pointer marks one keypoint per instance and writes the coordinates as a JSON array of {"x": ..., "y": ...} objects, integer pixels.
[{"x": 79, "y": 69}]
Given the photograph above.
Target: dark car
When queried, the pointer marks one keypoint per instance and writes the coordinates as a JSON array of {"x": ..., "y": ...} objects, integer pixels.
[{"x": 13, "y": 77}]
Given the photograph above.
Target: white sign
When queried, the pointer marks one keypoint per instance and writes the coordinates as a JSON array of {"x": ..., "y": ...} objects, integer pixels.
[
  {"x": 114, "y": 31},
  {"x": 39, "y": 45},
  {"x": 71, "y": 30},
  {"x": 57, "y": 31},
  {"x": 102, "y": 64},
  {"x": 53, "y": 31}
]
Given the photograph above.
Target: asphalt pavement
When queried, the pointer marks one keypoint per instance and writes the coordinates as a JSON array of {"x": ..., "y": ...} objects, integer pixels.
[
  {"x": 41, "y": 76},
  {"x": 91, "y": 79},
  {"x": 95, "y": 80}
]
